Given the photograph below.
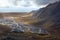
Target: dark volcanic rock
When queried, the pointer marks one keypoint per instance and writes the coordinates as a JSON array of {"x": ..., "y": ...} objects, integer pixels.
[{"x": 49, "y": 17}]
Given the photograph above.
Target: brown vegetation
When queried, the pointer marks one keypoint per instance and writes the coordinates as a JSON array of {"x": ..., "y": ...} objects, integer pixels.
[{"x": 4, "y": 28}]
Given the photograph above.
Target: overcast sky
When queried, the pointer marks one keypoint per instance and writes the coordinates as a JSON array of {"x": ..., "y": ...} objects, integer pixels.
[
  {"x": 44, "y": 2},
  {"x": 23, "y": 5}
]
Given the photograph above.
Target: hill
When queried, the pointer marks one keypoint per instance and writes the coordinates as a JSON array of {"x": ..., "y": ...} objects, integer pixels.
[{"x": 49, "y": 18}]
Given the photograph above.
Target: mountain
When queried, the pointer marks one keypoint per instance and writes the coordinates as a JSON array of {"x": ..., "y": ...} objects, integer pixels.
[{"x": 49, "y": 18}]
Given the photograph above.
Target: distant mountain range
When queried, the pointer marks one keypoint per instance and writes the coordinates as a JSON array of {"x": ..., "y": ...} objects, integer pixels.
[{"x": 49, "y": 18}]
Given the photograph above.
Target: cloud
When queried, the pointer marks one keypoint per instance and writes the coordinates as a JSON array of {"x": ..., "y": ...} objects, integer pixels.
[
  {"x": 18, "y": 3},
  {"x": 44, "y": 2},
  {"x": 24, "y": 4},
  {"x": 5, "y": 3}
]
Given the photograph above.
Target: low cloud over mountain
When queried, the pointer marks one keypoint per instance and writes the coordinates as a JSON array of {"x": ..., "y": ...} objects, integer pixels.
[{"x": 44, "y": 2}]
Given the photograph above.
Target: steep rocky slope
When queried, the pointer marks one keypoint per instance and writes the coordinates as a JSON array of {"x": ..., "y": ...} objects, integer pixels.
[{"x": 49, "y": 18}]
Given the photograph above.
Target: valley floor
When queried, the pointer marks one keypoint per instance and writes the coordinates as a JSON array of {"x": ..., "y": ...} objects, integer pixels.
[{"x": 27, "y": 36}]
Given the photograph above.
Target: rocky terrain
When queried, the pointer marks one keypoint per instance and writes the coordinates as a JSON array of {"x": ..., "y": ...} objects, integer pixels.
[
  {"x": 27, "y": 36},
  {"x": 47, "y": 18}
]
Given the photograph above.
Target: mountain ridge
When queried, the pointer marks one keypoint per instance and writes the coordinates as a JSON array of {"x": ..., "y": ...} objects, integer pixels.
[{"x": 49, "y": 18}]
